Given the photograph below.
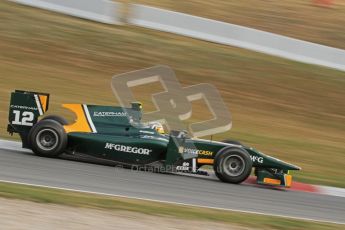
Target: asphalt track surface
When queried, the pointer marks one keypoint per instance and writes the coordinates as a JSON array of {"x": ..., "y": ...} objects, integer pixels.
[{"x": 24, "y": 167}]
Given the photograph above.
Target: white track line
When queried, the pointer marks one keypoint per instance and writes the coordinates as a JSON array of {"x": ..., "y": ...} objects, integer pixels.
[
  {"x": 332, "y": 191},
  {"x": 12, "y": 145}
]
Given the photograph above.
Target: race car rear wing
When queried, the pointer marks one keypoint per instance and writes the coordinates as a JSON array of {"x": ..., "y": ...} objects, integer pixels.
[{"x": 25, "y": 108}]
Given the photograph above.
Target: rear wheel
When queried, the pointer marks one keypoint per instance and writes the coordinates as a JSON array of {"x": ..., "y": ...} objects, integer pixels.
[
  {"x": 48, "y": 138},
  {"x": 232, "y": 165},
  {"x": 59, "y": 119}
]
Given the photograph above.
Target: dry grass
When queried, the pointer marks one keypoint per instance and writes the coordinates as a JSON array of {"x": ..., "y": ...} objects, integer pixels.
[
  {"x": 290, "y": 110},
  {"x": 295, "y": 18}
]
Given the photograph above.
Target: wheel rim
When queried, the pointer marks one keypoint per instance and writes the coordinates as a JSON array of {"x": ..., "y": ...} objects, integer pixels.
[
  {"x": 47, "y": 139},
  {"x": 233, "y": 165}
]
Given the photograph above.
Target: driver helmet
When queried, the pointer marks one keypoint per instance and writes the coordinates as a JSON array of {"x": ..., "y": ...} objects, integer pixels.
[{"x": 157, "y": 126}]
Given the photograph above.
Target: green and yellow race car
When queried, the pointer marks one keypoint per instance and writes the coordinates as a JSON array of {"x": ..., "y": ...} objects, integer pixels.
[{"x": 118, "y": 134}]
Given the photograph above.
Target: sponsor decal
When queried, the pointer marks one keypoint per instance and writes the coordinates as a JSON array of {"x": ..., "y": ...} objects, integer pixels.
[
  {"x": 23, "y": 107},
  {"x": 183, "y": 167},
  {"x": 25, "y": 118},
  {"x": 109, "y": 114},
  {"x": 257, "y": 159},
  {"x": 197, "y": 152},
  {"x": 128, "y": 149}
]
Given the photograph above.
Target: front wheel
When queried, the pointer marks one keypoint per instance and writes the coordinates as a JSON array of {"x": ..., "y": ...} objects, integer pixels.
[
  {"x": 48, "y": 138},
  {"x": 232, "y": 165}
]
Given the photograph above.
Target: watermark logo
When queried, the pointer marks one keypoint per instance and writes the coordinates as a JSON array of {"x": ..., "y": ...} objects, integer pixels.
[{"x": 174, "y": 104}]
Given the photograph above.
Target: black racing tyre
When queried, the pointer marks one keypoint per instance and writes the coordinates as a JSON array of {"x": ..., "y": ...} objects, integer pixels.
[
  {"x": 48, "y": 138},
  {"x": 232, "y": 165},
  {"x": 57, "y": 118},
  {"x": 228, "y": 141}
]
